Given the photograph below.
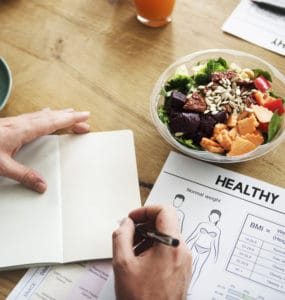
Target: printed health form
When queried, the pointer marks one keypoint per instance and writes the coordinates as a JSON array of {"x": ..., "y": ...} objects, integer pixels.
[
  {"x": 67, "y": 282},
  {"x": 234, "y": 226}
]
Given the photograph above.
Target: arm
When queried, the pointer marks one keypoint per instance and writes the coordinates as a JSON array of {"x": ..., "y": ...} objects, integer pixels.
[
  {"x": 160, "y": 272},
  {"x": 17, "y": 131},
  {"x": 191, "y": 239},
  {"x": 216, "y": 245},
  {"x": 182, "y": 220}
]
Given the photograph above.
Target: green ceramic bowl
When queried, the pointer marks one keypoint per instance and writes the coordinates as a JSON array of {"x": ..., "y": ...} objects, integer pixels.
[{"x": 5, "y": 82}]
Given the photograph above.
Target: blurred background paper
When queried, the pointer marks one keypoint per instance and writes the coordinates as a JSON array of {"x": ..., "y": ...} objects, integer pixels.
[
  {"x": 78, "y": 281},
  {"x": 257, "y": 25}
]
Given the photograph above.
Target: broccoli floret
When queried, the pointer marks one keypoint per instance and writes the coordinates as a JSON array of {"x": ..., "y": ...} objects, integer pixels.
[
  {"x": 201, "y": 78},
  {"x": 215, "y": 66},
  {"x": 164, "y": 93},
  {"x": 204, "y": 75},
  {"x": 163, "y": 116},
  {"x": 179, "y": 82},
  {"x": 223, "y": 62}
]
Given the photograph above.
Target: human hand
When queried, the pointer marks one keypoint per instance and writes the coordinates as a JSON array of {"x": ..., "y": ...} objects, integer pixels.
[
  {"x": 22, "y": 129},
  {"x": 161, "y": 272}
]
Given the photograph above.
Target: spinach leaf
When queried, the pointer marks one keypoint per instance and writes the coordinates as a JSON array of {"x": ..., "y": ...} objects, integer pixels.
[
  {"x": 187, "y": 142},
  {"x": 272, "y": 94},
  {"x": 259, "y": 72},
  {"x": 274, "y": 126}
]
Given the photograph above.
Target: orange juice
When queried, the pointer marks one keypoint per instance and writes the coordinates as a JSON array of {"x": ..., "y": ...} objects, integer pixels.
[{"x": 154, "y": 12}]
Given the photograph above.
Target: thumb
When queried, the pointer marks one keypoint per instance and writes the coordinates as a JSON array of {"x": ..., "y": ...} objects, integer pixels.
[
  {"x": 26, "y": 176},
  {"x": 123, "y": 239}
]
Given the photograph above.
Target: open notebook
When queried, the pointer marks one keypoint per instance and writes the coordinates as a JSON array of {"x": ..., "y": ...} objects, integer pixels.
[{"x": 92, "y": 184}]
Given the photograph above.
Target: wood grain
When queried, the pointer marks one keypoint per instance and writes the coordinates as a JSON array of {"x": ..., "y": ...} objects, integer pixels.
[{"x": 94, "y": 55}]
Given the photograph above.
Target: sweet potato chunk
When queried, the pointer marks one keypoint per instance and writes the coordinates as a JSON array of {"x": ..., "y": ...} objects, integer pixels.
[
  {"x": 211, "y": 146},
  {"x": 241, "y": 146},
  {"x": 233, "y": 133},
  {"x": 232, "y": 120},
  {"x": 224, "y": 139},
  {"x": 256, "y": 138},
  {"x": 247, "y": 125},
  {"x": 244, "y": 114},
  {"x": 218, "y": 128}
]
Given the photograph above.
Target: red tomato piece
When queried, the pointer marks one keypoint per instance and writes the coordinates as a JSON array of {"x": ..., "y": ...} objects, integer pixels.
[
  {"x": 275, "y": 104},
  {"x": 263, "y": 127},
  {"x": 262, "y": 84}
]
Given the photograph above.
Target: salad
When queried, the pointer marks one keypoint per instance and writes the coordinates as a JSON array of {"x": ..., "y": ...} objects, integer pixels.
[{"x": 221, "y": 107}]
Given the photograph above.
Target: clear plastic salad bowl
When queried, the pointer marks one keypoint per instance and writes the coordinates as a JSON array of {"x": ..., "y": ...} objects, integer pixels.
[{"x": 242, "y": 59}]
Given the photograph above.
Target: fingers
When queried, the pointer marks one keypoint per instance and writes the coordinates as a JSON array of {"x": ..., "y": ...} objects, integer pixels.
[
  {"x": 123, "y": 239},
  {"x": 28, "y": 177},
  {"x": 164, "y": 218},
  {"x": 45, "y": 122},
  {"x": 80, "y": 128}
]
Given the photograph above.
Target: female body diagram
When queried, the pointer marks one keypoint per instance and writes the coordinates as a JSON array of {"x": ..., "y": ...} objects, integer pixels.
[{"x": 203, "y": 241}]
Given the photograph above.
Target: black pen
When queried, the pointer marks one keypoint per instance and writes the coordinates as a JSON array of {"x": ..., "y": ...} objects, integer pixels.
[
  {"x": 156, "y": 236},
  {"x": 275, "y": 8}
]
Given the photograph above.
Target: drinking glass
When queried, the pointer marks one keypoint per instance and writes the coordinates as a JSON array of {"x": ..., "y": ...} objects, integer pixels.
[{"x": 154, "y": 13}]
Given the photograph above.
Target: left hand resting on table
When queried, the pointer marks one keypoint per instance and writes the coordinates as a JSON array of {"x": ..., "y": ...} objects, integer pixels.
[{"x": 19, "y": 130}]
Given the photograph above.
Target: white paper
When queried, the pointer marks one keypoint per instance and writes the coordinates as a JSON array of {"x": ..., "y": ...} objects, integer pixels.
[
  {"x": 100, "y": 190},
  {"x": 92, "y": 184},
  {"x": 69, "y": 282},
  {"x": 242, "y": 256},
  {"x": 26, "y": 216},
  {"x": 108, "y": 291},
  {"x": 258, "y": 26}
]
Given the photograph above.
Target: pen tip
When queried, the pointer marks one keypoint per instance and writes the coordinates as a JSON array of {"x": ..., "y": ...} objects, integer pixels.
[{"x": 175, "y": 243}]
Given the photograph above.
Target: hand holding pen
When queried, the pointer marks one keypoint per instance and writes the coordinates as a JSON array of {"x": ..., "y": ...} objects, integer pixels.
[
  {"x": 156, "y": 236},
  {"x": 159, "y": 272}
]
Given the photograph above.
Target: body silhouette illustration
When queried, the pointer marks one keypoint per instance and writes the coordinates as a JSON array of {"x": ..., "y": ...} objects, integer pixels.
[
  {"x": 177, "y": 204},
  {"x": 203, "y": 241}
]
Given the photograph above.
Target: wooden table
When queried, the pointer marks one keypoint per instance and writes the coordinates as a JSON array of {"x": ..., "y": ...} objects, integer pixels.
[{"x": 94, "y": 55}]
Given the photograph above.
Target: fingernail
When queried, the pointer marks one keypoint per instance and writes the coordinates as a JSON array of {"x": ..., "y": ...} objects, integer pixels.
[
  {"x": 85, "y": 126},
  {"x": 40, "y": 187},
  {"x": 69, "y": 110},
  {"x": 46, "y": 109},
  {"x": 84, "y": 113},
  {"x": 121, "y": 222}
]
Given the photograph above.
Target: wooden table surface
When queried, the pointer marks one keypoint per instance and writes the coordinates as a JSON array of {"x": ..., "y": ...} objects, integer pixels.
[{"x": 94, "y": 55}]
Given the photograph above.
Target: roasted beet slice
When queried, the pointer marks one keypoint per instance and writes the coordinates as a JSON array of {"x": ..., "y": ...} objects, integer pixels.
[
  {"x": 178, "y": 99},
  {"x": 207, "y": 123},
  {"x": 220, "y": 116},
  {"x": 186, "y": 123},
  {"x": 197, "y": 137}
]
